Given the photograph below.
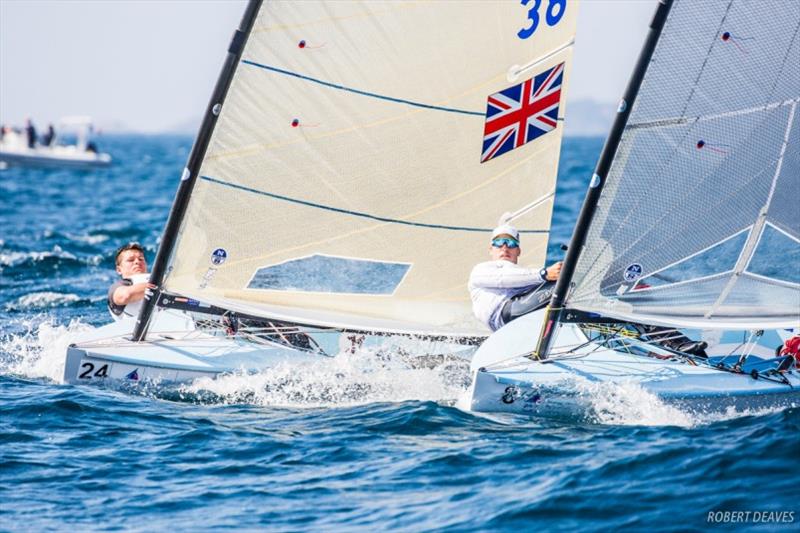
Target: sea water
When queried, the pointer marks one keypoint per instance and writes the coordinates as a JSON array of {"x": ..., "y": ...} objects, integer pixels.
[{"x": 363, "y": 443}]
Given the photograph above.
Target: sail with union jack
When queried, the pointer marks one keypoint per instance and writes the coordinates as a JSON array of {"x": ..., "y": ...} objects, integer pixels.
[{"x": 521, "y": 113}]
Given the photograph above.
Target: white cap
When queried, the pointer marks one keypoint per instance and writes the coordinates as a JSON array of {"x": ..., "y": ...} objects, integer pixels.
[{"x": 505, "y": 229}]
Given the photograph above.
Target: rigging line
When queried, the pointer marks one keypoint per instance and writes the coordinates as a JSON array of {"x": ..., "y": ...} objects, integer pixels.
[
  {"x": 362, "y": 93},
  {"x": 531, "y": 206},
  {"x": 354, "y": 213}
]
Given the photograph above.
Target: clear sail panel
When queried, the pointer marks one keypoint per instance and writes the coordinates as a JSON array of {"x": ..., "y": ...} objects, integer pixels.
[{"x": 698, "y": 222}]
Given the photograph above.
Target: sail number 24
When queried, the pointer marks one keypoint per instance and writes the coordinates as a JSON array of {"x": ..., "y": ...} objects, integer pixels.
[{"x": 552, "y": 14}]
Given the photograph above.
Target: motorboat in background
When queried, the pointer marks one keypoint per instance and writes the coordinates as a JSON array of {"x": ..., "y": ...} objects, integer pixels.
[{"x": 14, "y": 148}]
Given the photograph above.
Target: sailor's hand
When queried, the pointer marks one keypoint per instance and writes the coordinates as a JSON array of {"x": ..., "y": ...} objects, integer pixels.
[{"x": 553, "y": 271}]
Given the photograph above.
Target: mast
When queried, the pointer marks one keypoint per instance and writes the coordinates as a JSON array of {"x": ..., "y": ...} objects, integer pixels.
[
  {"x": 554, "y": 310},
  {"x": 192, "y": 169}
]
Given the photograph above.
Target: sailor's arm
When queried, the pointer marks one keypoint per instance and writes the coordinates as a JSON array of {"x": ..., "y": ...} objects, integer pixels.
[
  {"x": 125, "y": 294},
  {"x": 503, "y": 275},
  {"x": 506, "y": 275}
]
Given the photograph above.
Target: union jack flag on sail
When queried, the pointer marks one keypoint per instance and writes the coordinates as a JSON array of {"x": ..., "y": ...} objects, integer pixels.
[{"x": 521, "y": 113}]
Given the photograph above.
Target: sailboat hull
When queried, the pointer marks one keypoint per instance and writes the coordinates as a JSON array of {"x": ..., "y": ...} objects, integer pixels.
[
  {"x": 504, "y": 380},
  {"x": 521, "y": 394},
  {"x": 174, "y": 352}
]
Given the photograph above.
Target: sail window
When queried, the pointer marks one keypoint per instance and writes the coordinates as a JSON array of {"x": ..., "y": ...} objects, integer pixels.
[
  {"x": 331, "y": 274},
  {"x": 716, "y": 259},
  {"x": 776, "y": 244}
]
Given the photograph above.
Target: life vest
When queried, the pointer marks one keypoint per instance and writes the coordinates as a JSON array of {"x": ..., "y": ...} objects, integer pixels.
[{"x": 132, "y": 309}]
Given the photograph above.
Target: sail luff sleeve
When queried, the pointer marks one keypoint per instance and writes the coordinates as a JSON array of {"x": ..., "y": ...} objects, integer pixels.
[
  {"x": 554, "y": 310},
  {"x": 190, "y": 174}
]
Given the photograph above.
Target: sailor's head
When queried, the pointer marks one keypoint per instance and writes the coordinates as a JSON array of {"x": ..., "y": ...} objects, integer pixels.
[
  {"x": 130, "y": 260},
  {"x": 505, "y": 243}
]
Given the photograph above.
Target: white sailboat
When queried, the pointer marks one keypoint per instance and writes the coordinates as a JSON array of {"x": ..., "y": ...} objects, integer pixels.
[
  {"x": 689, "y": 224},
  {"x": 351, "y": 164}
]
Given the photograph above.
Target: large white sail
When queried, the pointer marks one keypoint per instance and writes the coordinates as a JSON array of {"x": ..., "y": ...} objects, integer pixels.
[
  {"x": 353, "y": 176},
  {"x": 698, "y": 222}
]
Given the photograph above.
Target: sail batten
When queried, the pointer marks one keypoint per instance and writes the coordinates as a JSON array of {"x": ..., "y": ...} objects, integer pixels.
[{"x": 686, "y": 120}]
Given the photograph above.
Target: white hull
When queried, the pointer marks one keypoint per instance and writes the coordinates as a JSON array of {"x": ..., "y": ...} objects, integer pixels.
[
  {"x": 506, "y": 381},
  {"x": 55, "y": 157},
  {"x": 174, "y": 352}
]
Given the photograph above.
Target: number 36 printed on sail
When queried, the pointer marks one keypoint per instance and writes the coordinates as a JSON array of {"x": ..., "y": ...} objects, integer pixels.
[{"x": 552, "y": 14}]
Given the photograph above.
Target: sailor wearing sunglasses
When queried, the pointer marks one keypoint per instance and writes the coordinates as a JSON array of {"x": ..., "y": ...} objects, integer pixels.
[{"x": 500, "y": 289}]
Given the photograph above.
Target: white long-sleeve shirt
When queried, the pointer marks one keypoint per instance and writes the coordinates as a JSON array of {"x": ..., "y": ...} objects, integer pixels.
[{"x": 493, "y": 283}]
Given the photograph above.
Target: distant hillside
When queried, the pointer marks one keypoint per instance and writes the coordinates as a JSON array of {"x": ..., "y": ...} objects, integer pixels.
[
  {"x": 588, "y": 118},
  {"x": 188, "y": 126}
]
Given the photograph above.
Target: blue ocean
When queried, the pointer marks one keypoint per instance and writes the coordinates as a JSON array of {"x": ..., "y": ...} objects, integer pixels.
[{"x": 361, "y": 444}]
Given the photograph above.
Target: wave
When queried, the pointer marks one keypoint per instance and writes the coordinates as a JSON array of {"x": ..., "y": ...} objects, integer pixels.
[
  {"x": 44, "y": 300},
  {"x": 55, "y": 257},
  {"x": 87, "y": 238}
]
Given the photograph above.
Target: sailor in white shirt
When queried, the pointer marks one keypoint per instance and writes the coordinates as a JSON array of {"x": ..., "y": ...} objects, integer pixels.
[
  {"x": 500, "y": 289},
  {"x": 126, "y": 295}
]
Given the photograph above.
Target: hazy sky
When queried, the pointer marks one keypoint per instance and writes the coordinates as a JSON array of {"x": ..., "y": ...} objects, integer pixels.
[{"x": 150, "y": 65}]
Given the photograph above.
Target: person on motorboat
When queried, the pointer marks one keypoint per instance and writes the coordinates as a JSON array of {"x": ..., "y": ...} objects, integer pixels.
[
  {"x": 500, "y": 289},
  {"x": 30, "y": 130},
  {"x": 49, "y": 136},
  {"x": 125, "y": 296}
]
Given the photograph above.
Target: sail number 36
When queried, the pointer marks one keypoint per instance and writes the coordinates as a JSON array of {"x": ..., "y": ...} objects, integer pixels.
[{"x": 552, "y": 14}]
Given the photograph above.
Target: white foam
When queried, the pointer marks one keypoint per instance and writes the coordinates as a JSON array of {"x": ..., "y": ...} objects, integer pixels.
[
  {"x": 630, "y": 404},
  {"x": 88, "y": 239},
  {"x": 40, "y": 351},
  {"x": 347, "y": 379},
  {"x": 15, "y": 258}
]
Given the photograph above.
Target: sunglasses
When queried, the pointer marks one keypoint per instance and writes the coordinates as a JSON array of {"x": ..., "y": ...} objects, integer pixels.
[{"x": 511, "y": 243}]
